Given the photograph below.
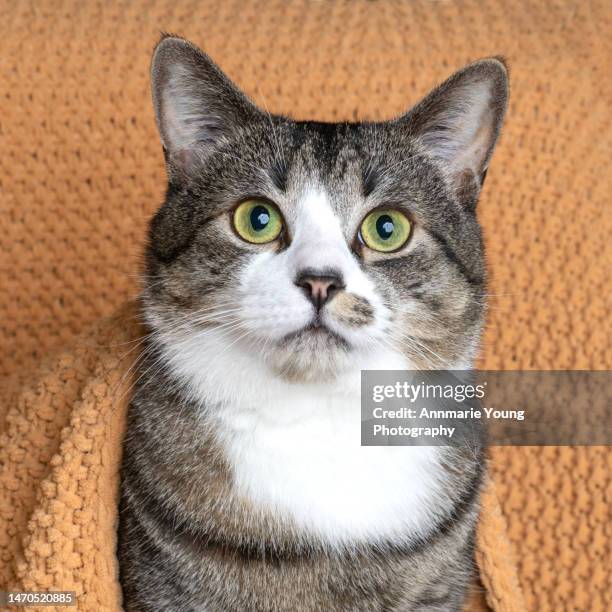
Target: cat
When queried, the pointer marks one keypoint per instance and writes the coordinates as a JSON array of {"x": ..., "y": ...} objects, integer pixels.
[{"x": 289, "y": 256}]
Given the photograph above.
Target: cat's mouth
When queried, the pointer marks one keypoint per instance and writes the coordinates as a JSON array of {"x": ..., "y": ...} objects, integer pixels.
[{"x": 314, "y": 333}]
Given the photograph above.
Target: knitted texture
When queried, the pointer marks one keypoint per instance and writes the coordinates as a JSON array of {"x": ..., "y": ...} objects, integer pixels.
[
  {"x": 81, "y": 171},
  {"x": 60, "y": 456}
]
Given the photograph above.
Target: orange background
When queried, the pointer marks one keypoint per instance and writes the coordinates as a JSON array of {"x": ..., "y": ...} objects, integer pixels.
[{"x": 81, "y": 171}]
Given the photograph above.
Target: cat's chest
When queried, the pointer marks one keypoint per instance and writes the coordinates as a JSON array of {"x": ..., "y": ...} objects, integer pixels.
[{"x": 301, "y": 458}]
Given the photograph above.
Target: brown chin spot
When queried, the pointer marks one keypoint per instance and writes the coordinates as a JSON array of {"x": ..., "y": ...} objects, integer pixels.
[{"x": 351, "y": 310}]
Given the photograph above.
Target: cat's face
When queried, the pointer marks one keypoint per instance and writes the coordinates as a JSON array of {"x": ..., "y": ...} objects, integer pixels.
[{"x": 310, "y": 246}]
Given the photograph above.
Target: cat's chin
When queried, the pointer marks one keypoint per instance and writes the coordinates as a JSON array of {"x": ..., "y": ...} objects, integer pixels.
[{"x": 314, "y": 353}]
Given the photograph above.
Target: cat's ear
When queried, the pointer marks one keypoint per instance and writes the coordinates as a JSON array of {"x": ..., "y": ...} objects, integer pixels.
[
  {"x": 459, "y": 122},
  {"x": 196, "y": 105}
]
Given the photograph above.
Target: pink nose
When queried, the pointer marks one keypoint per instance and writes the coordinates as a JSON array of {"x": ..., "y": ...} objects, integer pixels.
[{"x": 319, "y": 288}]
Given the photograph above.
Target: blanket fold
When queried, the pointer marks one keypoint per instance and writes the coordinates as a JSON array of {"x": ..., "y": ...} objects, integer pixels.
[{"x": 60, "y": 454}]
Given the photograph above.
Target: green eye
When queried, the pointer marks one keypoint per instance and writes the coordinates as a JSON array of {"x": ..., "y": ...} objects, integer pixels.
[
  {"x": 385, "y": 230},
  {"x": 257, "y": 221}
]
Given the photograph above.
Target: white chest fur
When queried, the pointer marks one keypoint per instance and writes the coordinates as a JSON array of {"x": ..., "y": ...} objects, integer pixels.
[
  {"x": 313, "y": 469},
  {"x": 295, "y": 449}
]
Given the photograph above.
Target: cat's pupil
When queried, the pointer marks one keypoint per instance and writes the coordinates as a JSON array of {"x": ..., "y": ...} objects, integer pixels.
[
  {"x": 385, "y": 226},
  {"x": 260, "y": 217}
]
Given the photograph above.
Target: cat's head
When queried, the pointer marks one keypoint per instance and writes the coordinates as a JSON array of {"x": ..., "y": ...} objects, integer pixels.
[{"x": 314, "y": 248}]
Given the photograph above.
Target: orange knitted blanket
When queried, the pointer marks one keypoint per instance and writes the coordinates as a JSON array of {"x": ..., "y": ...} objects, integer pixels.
[
  {"x": 60, "y": 456},
  {"x": 81, "y": 172}
]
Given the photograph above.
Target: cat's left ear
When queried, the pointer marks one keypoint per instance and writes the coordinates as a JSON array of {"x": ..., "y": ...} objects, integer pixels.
[
  {"x": 196, "y": 104},
  {"x": 459, "y": 122}
]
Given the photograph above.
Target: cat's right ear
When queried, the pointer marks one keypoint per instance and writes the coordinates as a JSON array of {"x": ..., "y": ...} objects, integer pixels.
[
  {"x": 459, "y": 123},
  {"x": 196, "y": 105}
]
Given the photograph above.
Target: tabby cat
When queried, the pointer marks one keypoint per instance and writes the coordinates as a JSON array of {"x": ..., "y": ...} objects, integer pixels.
[{"x": 287, "y": 257}]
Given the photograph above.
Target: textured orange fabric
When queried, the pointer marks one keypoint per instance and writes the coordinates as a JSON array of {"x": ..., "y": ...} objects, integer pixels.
[
  {"x": 60, "y": 456},
  {"x": 81, "y": 171}
]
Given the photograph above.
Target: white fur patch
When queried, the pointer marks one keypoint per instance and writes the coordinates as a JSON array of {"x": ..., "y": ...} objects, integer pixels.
[
  {"x": 309, "y": 465},
  {"x": 295, "y": 448}
]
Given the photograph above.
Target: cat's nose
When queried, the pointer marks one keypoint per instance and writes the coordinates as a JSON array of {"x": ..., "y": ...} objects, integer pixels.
[{"x": 319, "y": 287}]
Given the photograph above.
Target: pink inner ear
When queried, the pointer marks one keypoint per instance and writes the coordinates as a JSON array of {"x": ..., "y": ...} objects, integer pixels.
[
  {"x": 459, "y": 121},
  {"x": 462, "y": 126},
  {"x": 472, "y": 155},
  {"x": 179, "y": 109}
]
